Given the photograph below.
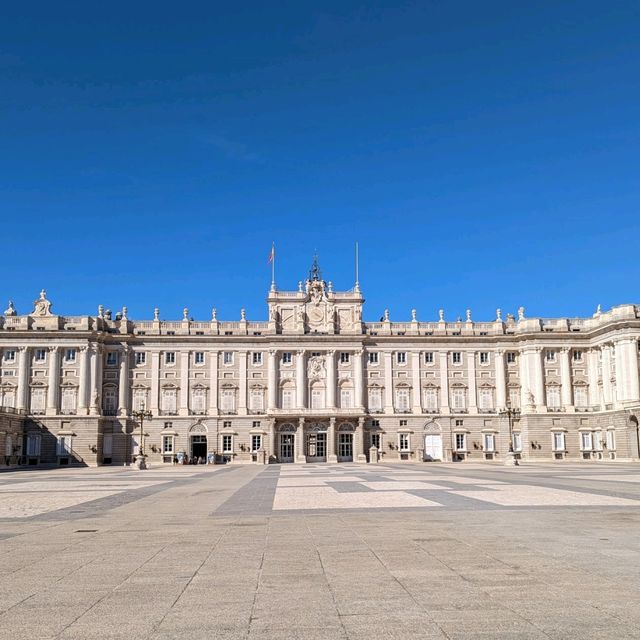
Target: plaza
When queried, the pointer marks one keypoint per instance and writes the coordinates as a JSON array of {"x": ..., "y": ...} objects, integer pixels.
[{"x": 325, "y": 551}]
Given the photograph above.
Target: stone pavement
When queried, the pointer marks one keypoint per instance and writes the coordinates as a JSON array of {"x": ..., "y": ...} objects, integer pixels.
[{"x": 321, "y": 551}]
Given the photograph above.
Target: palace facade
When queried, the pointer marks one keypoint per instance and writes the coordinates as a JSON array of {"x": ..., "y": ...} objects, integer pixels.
[{"x": 315, "y": 383}]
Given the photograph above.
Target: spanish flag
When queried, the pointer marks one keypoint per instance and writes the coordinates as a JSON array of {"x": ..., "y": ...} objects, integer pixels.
[{"x": 272, "y": 253}]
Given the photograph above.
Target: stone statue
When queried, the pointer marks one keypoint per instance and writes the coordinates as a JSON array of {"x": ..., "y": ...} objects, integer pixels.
[
  {"x": 214, "y": 314},
  {"x": 386, "y": 315},
  {"x": 595, "y": 315},
  {"x": 42, "y": 306},
  {"x": 330, "y": 287},
  {"x": 520, "y": 313},
  {"x": 185, "y": 313},
  {"x": 531, "y": 399},
  {"x": 414, "y": 315},
  {"x": 300, "y": 286},
  {"x": 124, "y": 313},
  {"x": 468, "y": 315},
  {"x": 100, "y": 311},
  {"x": 11, "y": 311},
  {"x": 243, "y": 314},
  {"x": 441, "y": 315},
  {"x": 273, "y": 314},
  {"x": 499, "y": 315},
  {"x": 156, "y": 314}
]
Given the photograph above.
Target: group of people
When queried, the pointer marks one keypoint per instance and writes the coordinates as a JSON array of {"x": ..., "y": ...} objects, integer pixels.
[{"x": 189, "y": 460}]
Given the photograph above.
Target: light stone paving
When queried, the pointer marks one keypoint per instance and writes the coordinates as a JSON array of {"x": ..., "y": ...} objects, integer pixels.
[{"x": 355, "y": 552}]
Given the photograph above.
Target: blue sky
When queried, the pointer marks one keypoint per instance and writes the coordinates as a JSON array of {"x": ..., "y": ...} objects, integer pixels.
[{"x": 483, "y": 154}]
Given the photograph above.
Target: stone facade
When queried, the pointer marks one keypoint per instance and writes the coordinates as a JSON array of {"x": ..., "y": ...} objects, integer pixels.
[{"x": 317, "y": 383}]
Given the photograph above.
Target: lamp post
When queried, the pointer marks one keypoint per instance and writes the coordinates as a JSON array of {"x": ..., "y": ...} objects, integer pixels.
[
  {"x": 140, "y": 417},
  {"x": 511, "y": 414}
]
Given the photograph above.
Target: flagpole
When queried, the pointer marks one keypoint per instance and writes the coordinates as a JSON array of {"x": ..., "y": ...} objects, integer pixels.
[
  {"x": 357, "y": 287},
  {"x": 273, "y": 266}
]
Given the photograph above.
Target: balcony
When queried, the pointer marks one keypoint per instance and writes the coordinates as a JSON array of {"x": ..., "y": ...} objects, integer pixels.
[
  {"x": 109, "y": 412},
  {"x": 554, "y": 409},
  {"x": 430, "y": 410}
]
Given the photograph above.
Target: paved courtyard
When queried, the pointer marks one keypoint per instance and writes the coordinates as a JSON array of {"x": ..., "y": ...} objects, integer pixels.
[{"x": 321, "y": 551}]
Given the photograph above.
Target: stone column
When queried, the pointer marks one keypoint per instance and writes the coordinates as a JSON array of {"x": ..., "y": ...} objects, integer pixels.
[
  {"x": 444, "y": 381},
  {"x": 415, "y": 373},
  {"x": 299, "y": 442},
  {"x": 155, "y": 382},
  {"x": 331, "y": 378},
  {"x": 274, "y": 438},
  {"x": 300, "y": 379},
  {"x": 501, "y": 387},
  {"x": 607, "y": 390},
  {"x": 213, "y": 382},
  {"x": 538, "y": 376},
  {"x": 565, "y": 379},
  {"x": 592, "y": 373},
  {"x": 471, "y": 373},
  {"x": 84, "y": 380},
  {"x": 96, "y": 380},
  {"x": 388, "y": 382},
  {"x": 627, "y": 381},
  {"x": 54, "y": 381},
  {"x": 123, "y": 383},
  {"x": 331, "y": 441},
  {"x": 359, "y": 379},
  {"x": 242, "y": 382},
  {"x": 525, "y": 384},
  {"x": 183, "y": 400},
  {"x": 272, "y": 381},
  {"x": 358, "y": 443},
  {"x": 23, "y": 377}
]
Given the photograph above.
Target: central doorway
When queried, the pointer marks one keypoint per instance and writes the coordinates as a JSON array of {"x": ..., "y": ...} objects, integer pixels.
[
  {"x": 316, "y": 447},
  {"x": 199, "y": 447},
  {"x": 345, "y": 447},
  {"x": 432, "y": 447},
  {"x": 287, "y": 441}
]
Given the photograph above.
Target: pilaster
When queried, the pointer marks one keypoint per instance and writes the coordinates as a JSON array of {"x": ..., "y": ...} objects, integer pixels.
[
  {"x": 330, "y": 360},
  {"x": 331, "y": 441},
  {"x": 415, "y": 374},
  {"x": 123, "y": 382},
  {"x": 471, "y": 370},
  {"x": 54, "y": 381},
  {"x": 299, "y": 442},
  {"x": 183, "y": 407},
  {"x": 300, "y": 379}
]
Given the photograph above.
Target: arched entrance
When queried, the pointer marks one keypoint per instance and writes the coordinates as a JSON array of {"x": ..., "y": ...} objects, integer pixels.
[
  {"x": 316, "y": 442},
  {"x": 198, "y": 441},
  {"x": 345, "y": 442},
  {"x": 432, "y": 442},
  {"x": 286, "y": 443}
]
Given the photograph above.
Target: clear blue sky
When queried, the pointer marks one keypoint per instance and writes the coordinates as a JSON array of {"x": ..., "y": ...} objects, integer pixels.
[{"x": 484, "y": 154}]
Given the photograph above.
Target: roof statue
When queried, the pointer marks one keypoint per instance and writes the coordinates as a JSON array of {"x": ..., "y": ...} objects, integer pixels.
[
  {"x": 42, "y": 306},
  {"x": 314, "y": 273},
  {"x": 11, "y": 311}
]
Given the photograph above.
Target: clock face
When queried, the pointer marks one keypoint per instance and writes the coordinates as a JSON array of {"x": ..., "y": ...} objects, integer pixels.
[{"x": 316, "y": 315}]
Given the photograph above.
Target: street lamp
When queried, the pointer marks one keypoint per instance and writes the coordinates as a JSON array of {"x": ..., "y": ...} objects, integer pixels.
[
  {"x": 511, "y": 414},
  {"x": 140, "y": 417}
]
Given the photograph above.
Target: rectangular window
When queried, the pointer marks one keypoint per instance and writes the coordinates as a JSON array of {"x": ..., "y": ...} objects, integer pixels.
[
  {"x": 227, "y": 443},
  {"x": 461, "y": 441},
  {"x": 256, "y": 357},
  {"x": 456, "y": 357},
  {"x": 553, "y": 397},
  {"x": 41, "y": 355},
  {"x": 198, "y": 357},
  {"x": 514, "y": 398},
  {"x": 484, "y": 357},
  {"x": 345, "y": 399},
  {"x": 256, "y": 442},
  {"x": 228, "y": 400},
  {"x": 558, "y": 441},
  {"x": 586, "y": 441},
  {"x": 550, "y": 355},
  {"x": 431, "y": 399},
  {"x": 169, "y": 404},
  {"x": 580, "y": 397},
  {"x": 373, "y": 357},
  {"x": 170, "y": 357},
  {"x": 10, "y": 356},
  {"x": 167, "y": 444},
  {"x": 511, "y": 357},
  {"x": 611, "y": 440},
  {"x": 344, "y": 357},
  {"x": 517, "y": 441},
  {"x": 38, "y": 397},
  {"x": 112, "y": 358},
  {"x": 287, "y": 399},
  {"x": 70, "y": 355},
  {"x": 401, "y": 357},
  {"x": 489, "y": 442},
  {"x": 141, "y": 357},
  {"x": 428, "y": 357},
  {"x": 226, "y": 424},
  {"x": 486, "y": 399},
  {"x": 33, "y": 444},
  {"x": 403, "y": 442},
  {"x": 198, "y": 401},
  {"x": 227, "y": 357},
  {"x": 317, "y": 399},
  {"x": 286, "y": 357},
  {"x": 68, "y": 403},
  {"x": 256, "y": 400},
  {"x": 577, "y": 355},
  {"x": 375, "y": 440},
  {"x": 375, "y": 399},
  {"x": 402, "y": 399},
  {"x": 139, "y": 399},
  {"x": 458, "y": 399}
]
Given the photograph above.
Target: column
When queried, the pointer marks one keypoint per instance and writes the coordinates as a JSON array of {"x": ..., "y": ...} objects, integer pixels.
[
  {"x": 272, "y": 381},
  {"x": 359, "y": 381},
  {"x": 155, "y": 382},
  {"x": 471, "y": 374},
  {"x": 523, "y": 374},
  {"x": 331, "y": 379},
  {"x": 415, "y": 374},
  {"x": 388, "y": 382},
  {"x": 213, "y": 382},
  {"x": 501, "y": 387},
  {"x": 632, "y": 370},
  {"x": 183, "y": 406},
  {"x": 94, "y": 363},
  {"x": 444, "y": 381},
  {"x": 300, "y": 379},
  {"x": 299, "y": 442},
  {"x": 592, "y": 374},
  {"x": 123, "y": 382},
  {"x": 84, "y": 380},
  {"x": 606, "y": 375},
  {"x": 565, "y": 379},
  {"x": 536, "y": 358},
  {"x": 54, "y": 381},
  {"x": 331, "y": 441},
  {"x": 242, "y": 382},
  {"x": 23, "y": 377},
  {"x": 274, "y": 439},
  {"x": 358, "y": 443},
  {"x": 627, "y": 370}
]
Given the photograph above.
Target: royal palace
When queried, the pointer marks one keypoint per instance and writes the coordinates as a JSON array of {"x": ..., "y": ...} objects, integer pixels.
[{"x": 316, "y": 383}]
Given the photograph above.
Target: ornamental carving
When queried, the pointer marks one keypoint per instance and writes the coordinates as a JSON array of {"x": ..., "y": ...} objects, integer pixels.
[
  {"x": 42, "y": 306},
  {"x": 316, "y": 368}
]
